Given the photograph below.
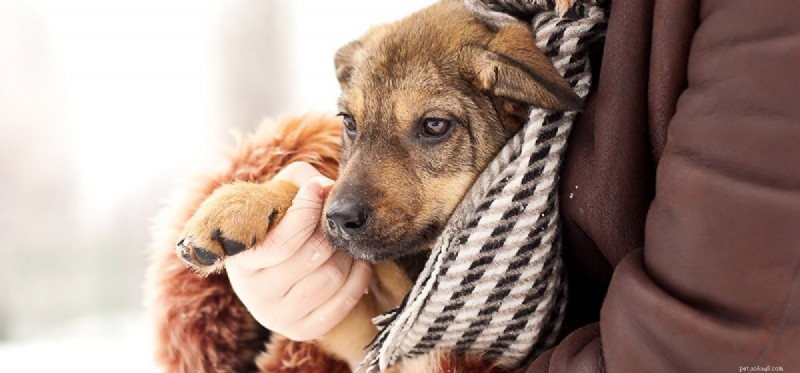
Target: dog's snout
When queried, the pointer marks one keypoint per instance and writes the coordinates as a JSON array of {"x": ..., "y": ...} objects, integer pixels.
[{"x": 348, "y": 217}]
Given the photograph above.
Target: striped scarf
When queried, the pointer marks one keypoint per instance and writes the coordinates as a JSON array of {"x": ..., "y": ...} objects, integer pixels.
[{"x": 495, "y": 282}]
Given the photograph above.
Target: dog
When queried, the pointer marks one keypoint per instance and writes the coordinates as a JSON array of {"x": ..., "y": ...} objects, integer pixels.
[{"x": 426, "y": 103}]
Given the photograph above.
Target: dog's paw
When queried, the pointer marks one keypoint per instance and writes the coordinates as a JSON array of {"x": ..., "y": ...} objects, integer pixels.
[{"x": 232, "y": 219}]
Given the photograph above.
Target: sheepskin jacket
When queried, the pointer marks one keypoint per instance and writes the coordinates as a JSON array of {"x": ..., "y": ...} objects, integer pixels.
[{"x": 680, "y": 193}]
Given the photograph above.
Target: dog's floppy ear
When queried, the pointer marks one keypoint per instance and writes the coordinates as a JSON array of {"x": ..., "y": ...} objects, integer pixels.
[
  {"x": 513, "y": 67},
  {"x": 343, "y": 61}
]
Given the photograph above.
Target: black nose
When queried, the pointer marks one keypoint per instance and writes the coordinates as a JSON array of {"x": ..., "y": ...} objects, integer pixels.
[{"x": 348, "y": 217}]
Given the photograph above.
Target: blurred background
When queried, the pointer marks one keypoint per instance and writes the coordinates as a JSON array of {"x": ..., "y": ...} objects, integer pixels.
[{"x": 105, "y": 107}]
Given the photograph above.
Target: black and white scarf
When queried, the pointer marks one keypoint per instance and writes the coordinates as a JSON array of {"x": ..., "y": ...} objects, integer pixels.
[{"x": 495, "y": 281}]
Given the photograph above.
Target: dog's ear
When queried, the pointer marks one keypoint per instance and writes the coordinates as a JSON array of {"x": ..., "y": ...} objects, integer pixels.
[
  {"x": 343, "y": 61},
  {"x": 514, "y": 68}
]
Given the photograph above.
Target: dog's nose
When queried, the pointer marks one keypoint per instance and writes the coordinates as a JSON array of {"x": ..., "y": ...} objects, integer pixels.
[{"x": 348, "y": 218}]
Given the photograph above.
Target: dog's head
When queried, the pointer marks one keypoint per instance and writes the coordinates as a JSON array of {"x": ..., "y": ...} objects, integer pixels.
[{"x": 426, "y": 103}]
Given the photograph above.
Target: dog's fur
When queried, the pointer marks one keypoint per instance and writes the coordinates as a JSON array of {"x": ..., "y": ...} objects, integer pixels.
[{"x": 441, "y": 66}]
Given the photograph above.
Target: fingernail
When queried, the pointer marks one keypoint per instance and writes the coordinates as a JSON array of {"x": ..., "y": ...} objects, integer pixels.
[
  {"x": 321, "y": 186},
  {"x": 318, "y": 186}
]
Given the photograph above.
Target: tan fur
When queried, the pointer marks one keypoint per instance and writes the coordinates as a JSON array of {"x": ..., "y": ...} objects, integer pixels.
[
  {"x": 481, "y": 79},
  {"x": 236, "y": 214},
  {"x": 535, "y": 81}
]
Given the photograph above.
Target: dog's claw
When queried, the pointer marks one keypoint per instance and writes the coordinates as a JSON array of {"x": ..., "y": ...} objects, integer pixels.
[
  {"x": 271, "y": 218},
  {"x": 232, "y": 247},
  {"x": 205, "y": 257}
]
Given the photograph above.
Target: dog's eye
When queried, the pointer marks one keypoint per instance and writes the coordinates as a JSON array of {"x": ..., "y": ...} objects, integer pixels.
[
  {"x": 349, "y": 124},
  {"x": 435, "y": 127}
]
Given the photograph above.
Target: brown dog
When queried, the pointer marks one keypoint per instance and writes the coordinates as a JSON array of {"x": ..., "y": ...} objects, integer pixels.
[{"x": 426, "y": 103}]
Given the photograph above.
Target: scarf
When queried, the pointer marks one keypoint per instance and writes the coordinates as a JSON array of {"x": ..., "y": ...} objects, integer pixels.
[{"x": 494, "y": 282}]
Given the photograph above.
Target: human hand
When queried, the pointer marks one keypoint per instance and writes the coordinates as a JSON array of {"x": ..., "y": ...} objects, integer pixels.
[{"x": 294, "y": 282}]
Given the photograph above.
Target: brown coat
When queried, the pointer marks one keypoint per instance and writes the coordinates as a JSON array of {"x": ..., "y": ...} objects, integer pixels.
[{"x": 681, "y": 193}]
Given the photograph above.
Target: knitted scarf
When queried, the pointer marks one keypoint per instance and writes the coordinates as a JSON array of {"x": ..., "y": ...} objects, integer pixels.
[{"x": 495, "y": 282}]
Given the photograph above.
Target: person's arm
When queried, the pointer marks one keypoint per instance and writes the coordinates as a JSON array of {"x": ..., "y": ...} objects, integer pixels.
[{"x": 716, "y": 287}]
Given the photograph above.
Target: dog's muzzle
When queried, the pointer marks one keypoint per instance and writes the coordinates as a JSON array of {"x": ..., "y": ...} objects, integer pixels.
[{"x": 348, "y": 218}]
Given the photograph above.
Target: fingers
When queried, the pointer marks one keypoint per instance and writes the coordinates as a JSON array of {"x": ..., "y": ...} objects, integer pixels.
[
  {"x": 317, "y": 287},
  {"x": 313, "y": 304},
  {"x": 314, "y": 253},
  {"x": 296, "y": 227},
  {"x": 328, "y": 315},
  {"x": 299, "y": 222}
]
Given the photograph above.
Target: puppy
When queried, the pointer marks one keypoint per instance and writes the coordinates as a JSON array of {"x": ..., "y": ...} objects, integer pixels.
[{"x": 426, "y": 103}]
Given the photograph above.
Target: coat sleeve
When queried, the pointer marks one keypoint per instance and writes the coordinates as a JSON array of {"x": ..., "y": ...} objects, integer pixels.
[{"x": 716, "y": 286}]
